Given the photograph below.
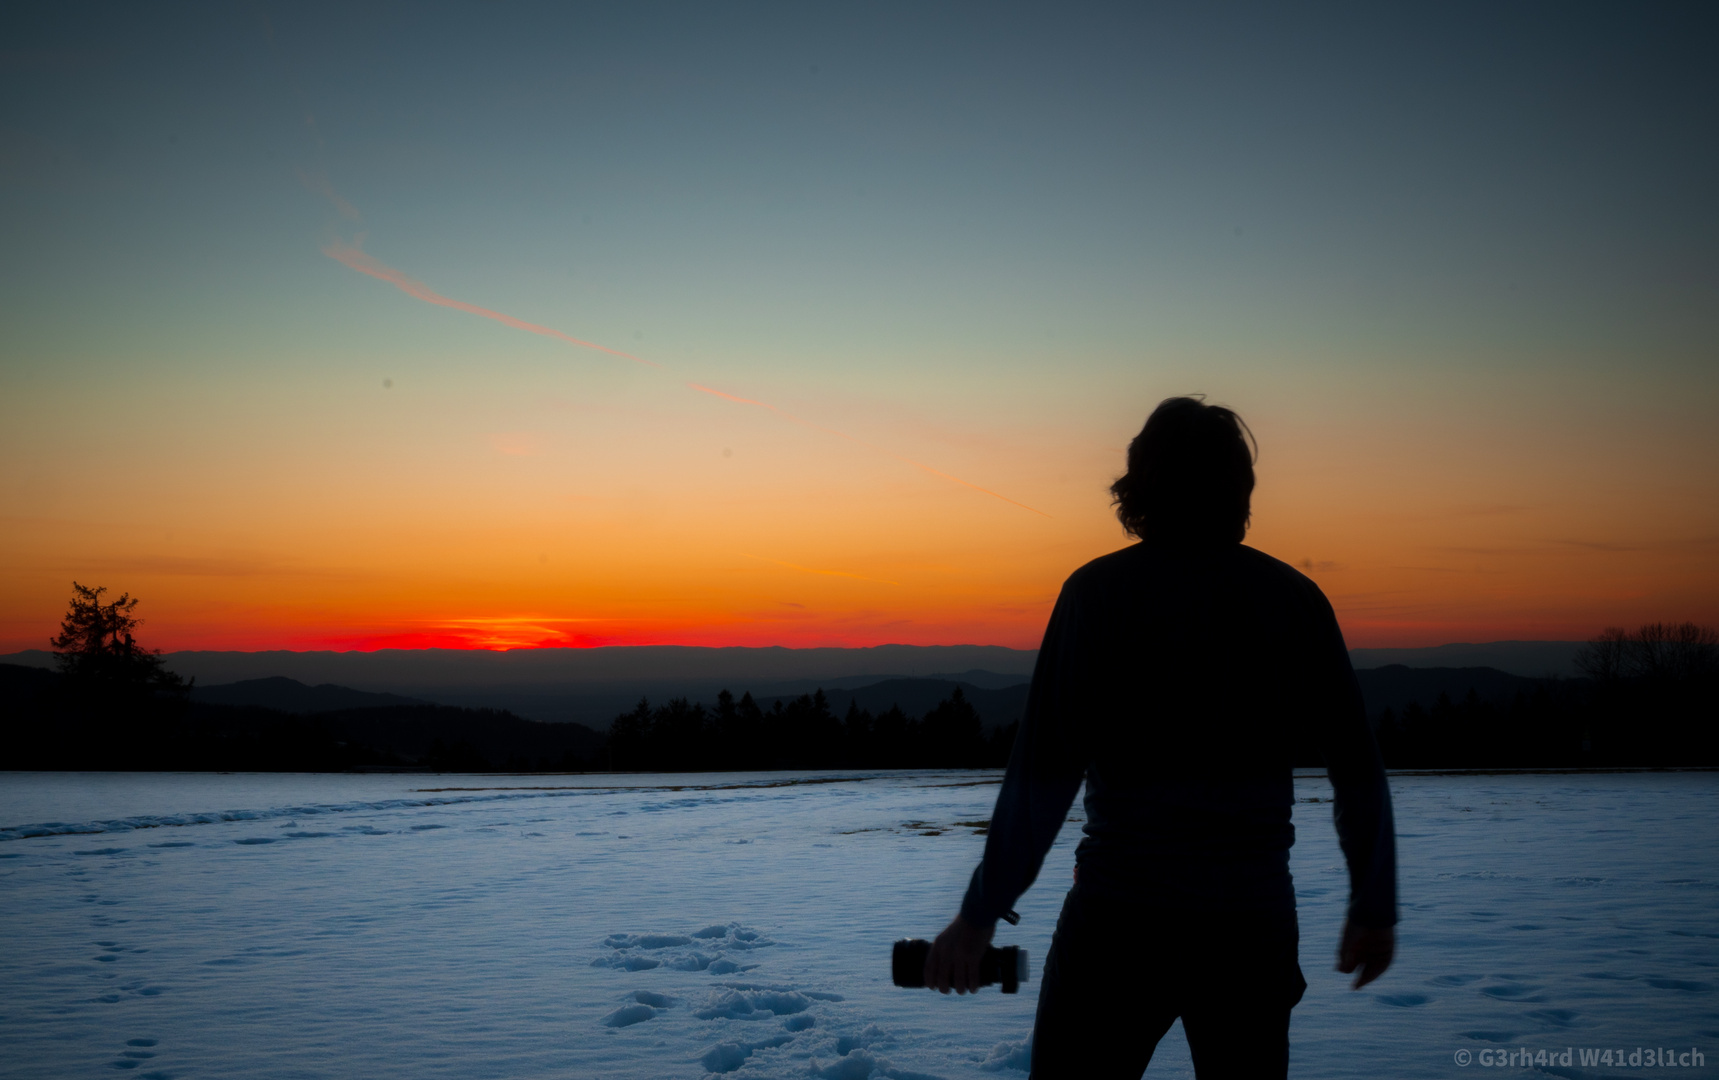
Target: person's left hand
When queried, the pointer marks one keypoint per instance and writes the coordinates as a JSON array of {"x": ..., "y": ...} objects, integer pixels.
[
  {"x": 1366, "y": 950},
  {"x": 953, "y": 962}
]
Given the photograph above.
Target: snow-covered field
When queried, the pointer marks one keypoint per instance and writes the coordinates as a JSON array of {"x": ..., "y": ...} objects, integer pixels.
[{"x": 678, "y": 926}]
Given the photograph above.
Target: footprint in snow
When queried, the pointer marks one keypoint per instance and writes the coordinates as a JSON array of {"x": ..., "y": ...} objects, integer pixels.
[
  {"x": 642, "y": 1005},
  {"x": 735, "y": 1008},
  {"x": 703, "y": 950},
  {"x": 136, "y": 1052},
  {"x": 1402, "y": 1001}
]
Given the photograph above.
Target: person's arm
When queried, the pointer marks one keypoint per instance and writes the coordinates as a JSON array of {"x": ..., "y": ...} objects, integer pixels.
[
  {"x": 1045, "y": 771},
  {"x": 1362, "y": 814}
]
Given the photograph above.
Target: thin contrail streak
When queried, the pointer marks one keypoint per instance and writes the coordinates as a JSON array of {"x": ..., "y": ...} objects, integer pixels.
[
  {"x": 351, "y": 255},
  {"x": 365, "y": 264},
  {"x": 784, "y": 414},
  {"x": 318, "y": 182}
]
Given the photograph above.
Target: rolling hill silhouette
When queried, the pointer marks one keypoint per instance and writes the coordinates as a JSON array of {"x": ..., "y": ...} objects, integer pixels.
[{"x": 291, "y": 696}]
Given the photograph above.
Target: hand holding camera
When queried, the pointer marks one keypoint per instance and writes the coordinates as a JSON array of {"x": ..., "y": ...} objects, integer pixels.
[{"x": 1007, "y": 965}]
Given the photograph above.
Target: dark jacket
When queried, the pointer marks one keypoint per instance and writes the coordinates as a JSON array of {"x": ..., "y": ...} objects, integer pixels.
[{"x": 1179, "y": 683}]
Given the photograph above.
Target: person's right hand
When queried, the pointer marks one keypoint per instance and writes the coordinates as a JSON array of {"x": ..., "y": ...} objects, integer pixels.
[
  {"x": 1369, "y": 948},
  {"x": 953, "y": 962}
]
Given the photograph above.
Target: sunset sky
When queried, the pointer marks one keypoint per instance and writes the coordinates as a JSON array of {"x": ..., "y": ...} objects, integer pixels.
[{"x": 500, "y": 325}]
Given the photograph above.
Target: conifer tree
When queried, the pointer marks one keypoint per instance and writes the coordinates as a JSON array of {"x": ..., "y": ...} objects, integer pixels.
[{"x": 97, "y": 649}]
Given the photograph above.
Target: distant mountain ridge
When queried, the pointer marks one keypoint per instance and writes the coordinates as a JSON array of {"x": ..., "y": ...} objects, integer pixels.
[
  {"x": 292, "y": 696},
  {"x": 1530, "y": 659},
  {"x": 1396, "y": 686},
  {"x": 592, "y": 686},
  {"x": 390, "y": 670}
]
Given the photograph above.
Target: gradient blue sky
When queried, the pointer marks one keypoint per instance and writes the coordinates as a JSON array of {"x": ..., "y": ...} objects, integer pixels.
[{"x": 1457, "y": 264}]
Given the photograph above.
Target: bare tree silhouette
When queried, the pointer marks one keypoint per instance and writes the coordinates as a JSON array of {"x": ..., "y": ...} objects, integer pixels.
[{"x": 1660, "y": 651}]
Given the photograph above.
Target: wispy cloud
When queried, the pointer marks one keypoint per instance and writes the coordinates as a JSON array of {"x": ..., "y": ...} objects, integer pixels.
[
  {"x": 1492, "y": 551},
  {"x": 505, "y": 632},
  {"x": 353, "y": 256},
  {"x": 1435, "y": 569},
  {"x": 318, "y": 182},
  {"x": 1672, "y": 543},
  {"x": 1543, "y": 547},
  {"x": 1607, "y": 546},
  {"x": 1319, "y": 565}
]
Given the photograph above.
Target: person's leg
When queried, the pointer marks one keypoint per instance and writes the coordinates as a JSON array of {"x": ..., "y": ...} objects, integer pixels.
[
  {"x": 1237, "y": 1023},
  {"x": 1100, "y": 1016},
  {"x": 1247, "y": 1040}
]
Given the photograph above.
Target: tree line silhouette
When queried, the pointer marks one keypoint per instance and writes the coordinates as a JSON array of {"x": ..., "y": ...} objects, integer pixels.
[
  {"x": 1650, "y": 698},
  {"x": 803, "y": 733},
  {"x": 50, "y": 722}
]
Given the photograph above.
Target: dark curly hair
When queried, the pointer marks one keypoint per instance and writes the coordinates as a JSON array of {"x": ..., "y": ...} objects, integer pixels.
[{"x": 1190, "y": 475}]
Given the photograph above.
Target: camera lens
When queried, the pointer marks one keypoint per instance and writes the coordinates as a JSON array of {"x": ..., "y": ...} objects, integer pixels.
[{"x": 907, "y": 964}]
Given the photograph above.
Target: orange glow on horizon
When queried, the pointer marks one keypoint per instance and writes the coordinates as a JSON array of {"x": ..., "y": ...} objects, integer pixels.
[{"x": 434, "y": 510}]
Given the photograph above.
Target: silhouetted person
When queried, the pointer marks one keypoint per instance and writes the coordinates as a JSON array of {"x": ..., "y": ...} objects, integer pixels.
[{"x": 1173, "y": 679}]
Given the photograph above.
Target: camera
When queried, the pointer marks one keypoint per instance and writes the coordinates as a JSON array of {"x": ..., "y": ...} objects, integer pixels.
[{"x": 1007, "y": 965}]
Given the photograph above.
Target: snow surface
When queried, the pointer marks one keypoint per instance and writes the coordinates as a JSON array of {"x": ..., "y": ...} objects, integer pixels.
[{"x": 740, "y": 925}]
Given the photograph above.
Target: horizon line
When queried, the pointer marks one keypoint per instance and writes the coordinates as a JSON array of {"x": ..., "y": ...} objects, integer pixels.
[{"x": 785, "y": 648}]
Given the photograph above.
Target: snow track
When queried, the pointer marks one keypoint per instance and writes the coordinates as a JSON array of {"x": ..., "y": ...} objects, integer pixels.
[{"x": 740, "y": 926}]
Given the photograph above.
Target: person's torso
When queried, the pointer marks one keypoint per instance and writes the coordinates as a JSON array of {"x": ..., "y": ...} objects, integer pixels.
[{"x": 1191, "y": 670}]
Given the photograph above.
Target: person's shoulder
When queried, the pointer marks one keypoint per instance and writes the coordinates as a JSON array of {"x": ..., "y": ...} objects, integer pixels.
[
  {"x": 1262, "y": 563},
  {"x": 1281, "y": 573},
  {"x": 1104, "y": 569}
]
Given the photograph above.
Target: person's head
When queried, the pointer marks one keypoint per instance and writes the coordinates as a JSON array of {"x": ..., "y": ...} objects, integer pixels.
[{"x": 1190, "y": 475}]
